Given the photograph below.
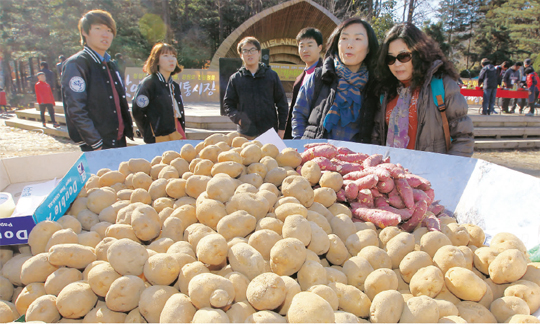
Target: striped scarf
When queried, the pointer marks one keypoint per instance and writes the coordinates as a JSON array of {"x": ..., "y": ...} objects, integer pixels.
[
  {"x": 348, "y": 101},
  {"x": 398, "y": 125}
]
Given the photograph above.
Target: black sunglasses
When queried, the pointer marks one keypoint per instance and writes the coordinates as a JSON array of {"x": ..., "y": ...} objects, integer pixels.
[{"x": 402, "y": 57}]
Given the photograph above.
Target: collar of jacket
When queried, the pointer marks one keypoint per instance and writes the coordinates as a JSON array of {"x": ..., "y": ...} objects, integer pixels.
[
  {"x": 328, "y": 70},
  {"x": 432, "y": 70},
  {"x": 162, "y": 78},
  {"x": 94, "y": 55},
  {"x": 261, "y": 71}
]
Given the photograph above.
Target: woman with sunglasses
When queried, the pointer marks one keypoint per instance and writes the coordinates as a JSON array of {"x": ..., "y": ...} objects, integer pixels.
[
  {"x": 337, "y": 101},
  {"x": 157, "y": 105},
  {"x": 409, "y": 117}
]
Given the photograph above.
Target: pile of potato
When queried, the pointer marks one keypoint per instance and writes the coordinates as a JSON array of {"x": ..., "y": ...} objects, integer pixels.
[{"x": 229, "y": 231}]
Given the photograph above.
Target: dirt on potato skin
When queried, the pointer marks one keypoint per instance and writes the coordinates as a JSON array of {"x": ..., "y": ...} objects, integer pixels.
[{"x": 15, "y": 142}]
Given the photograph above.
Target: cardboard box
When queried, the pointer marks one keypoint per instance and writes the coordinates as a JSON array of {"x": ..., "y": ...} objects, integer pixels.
[{"x": 495, "y": 198}]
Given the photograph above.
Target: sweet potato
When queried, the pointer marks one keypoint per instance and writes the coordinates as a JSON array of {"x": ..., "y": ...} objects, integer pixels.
[
  {"x": 344, "y": 168},
  {"x": 381, "y": 173},
  {"x": 405, "y": 192},
  {"x": 381, "y": 218},
  {"x": 419, "y": 195},
  {"x": 417, "y": 181},
  {"x": 432, "y": 222},
  {"x": 365, "y": 197},
  {"x": 344, "y": 150},
  {"x": 436, "y": 208},
  {"x": 372, "y": 160},
  {"x": 351, "y": 190},
  {"x": 341, "y": 197},
  {"x": 352, "y": 157},
  {"x": 327, "y": 151},
  {"x": 310, "y": 145},
  {"x": 420, "y": 209},
  {"x": 380, "y": 202},
  {"x": 375, "y": 192},
  {"x": 385, "y": 186},
  {"x": 404, "y": 213},
  {"x": 431, "y": 194},
  {"x": 324, "y": 164},
  {"x": 367, "y": 182},
  {"x": 394, "y": 199}
]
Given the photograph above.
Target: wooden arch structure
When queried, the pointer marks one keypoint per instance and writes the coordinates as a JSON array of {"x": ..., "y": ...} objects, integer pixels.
[{"x": 276, "y": 28}]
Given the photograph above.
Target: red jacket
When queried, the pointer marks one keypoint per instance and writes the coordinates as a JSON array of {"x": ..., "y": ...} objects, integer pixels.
[{"x": 44, "y": 93}]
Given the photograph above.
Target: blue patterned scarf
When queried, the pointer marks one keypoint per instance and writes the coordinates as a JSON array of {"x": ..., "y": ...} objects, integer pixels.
[{"x": 348, "y": 101}]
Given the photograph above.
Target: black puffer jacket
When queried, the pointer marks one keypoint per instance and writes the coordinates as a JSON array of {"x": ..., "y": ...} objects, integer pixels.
[
  {"x": 89, "y": 106},
  {"x": 326, "y": 79},
  {"x": 253, "y": 99},
  {"x": 152, "y": 107}
]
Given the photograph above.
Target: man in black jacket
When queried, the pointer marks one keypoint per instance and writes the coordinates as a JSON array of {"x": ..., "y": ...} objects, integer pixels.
[
  {"x": 97, "y": 113},
  {"x": 489, "y": 77},
  {"x": 253, "y": 93}
]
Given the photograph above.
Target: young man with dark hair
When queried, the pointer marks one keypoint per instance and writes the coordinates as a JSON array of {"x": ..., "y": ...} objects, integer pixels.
[
  {"x": 511, "y": 81},
  {"x": 310, "y": 45},
  {"x": 253, "y": 94},
  {"x": 489, "y": 75},
  {"x": 97, "y": 113}
]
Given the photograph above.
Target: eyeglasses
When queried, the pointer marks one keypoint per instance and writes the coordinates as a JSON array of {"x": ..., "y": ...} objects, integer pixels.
[
  {"x": 402, "y": 57},
  {"x": 250, "y": 51}
]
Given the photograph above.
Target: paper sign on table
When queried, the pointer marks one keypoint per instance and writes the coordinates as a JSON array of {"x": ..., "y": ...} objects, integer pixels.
[{"x": 271, "y": 137}]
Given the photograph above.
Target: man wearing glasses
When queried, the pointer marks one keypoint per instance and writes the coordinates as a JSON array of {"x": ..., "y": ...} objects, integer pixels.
[{"x": 255, "y": 99}]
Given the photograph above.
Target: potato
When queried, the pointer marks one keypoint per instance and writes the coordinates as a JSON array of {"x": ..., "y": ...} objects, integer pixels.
[
  {"x": 337, "y": 253},
  {"x": 308, "y": 307},
  {"x": 57, "y": 280},
  {"x": 102, "y": 314},
  {"x": 505, "y": 307},
  {"x": 36, "y": 269},
  {"x": 40, "y": 235},
  {"x": 153, "y": 300},
  {"x": 68, "y": 221},
  {"x": 412, "y": 262},
  {"x": 475, "y": 313},
  {"x": 431, "y": 242},
  {"x": 519, "y": 318},
  {"x": 386, "y": 307},
  {"x": 124, "y": 292},
  {"x": 266, "y": 291},
  {"x": 177, "y": 309},
  {"x": 388, "y": 233},
  {"x": 253, "y": 204},
  {"x": 452, "y": 319},
  {"x": 310, "y": 274},
  {"x": 210, "y": 315},
  {"x": 380, "y": 280},
  {"x": 210, "y": 290},
  {"x": 325, "y": 196},
  {"x": 8, "y": 312},
  {"x": 140, "y": 195},
  {"x": 288, "y": 209},
  {"x": 187, "y": 214},
  {"x": 346, "y": 317},
  {"x": 337, "y": 209},
  {"x": 275, "y": 175},
  {"x": 29, "y": 293},
  {"x": 245, "y": 259},
  {"x": 506, "y": 241},
  {"x": 188, "y": 152},
  {"x": 240, "y": 283},
  {"x": 420, "y": 309},
  {"x": 263, "y": 240},
  {"x": 120, "y": 231},
  {"x": 6, "y": 289},
  {"x": 352, "y": 299},
  {"x": 377, "y": 257},
  {"x": 161, "y": 269},
  {"x": 195, "y": 232},
  {"x": 87, "y": 219},
  {"x": 343, "y": 227},
  {"x": 127, "y": 257},
  {"x": 332, "y": 180},
  {"x": 269, "y": 162},
  {"x": 449, "y": 256},
  {"x": 427, "y": 281},
  {"x": 210, "y": 152},
  {"x": 359, "y": 240},
  {"x": 287, "y": 256},
  {"x": 296, "y": 226},
  {"x": 101, "y": 277},
  {"x": 533, "y": 273},
  {"x": 333, "y": 274},
  {"x": 99, "y": 199},
  {"x": 465, "y": 284},
  {"x": 196, "y": 184},
  {"x": 139, "y": 165},
  {"x": 187, "y": 273},
  {"x": 71, "y": 255},
  {"x": 210, "y": 211},
  {"x": 43, "y": 309},
  {"x": 312, "y": 172},
  {"x": 76, "y": 300},
  {"x": 300, "y": 188},
  {"x": 90, "y": 239},
  {"x": 398, "y": 247},
  {"x": 212, "y": 249},
  {"x": 508, "y": 266},
  {"x": 146, "y": 223},
  {"x": 319, "y": 243},
  {"x": 526, "y": 290},
  {"x": 456, "y": 233},
  {"x": 357, "y": 269},
  {"x": 476, "y": 234},
  {"x": 446, "y": 308},
  {"x": 204, "y": 167}
]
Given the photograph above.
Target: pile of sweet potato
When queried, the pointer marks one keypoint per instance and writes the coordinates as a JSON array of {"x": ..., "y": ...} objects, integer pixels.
[{"x": 376, "y": 190}]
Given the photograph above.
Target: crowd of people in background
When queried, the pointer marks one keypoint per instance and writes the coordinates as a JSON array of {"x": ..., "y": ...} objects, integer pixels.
[
  {"x": 509, "y": 76},
  {"x": 403, "y": 93}
]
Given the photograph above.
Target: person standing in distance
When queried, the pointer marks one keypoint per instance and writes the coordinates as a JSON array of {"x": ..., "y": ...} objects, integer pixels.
[
  {"x": 310, "y": 45},
  {"x": 253, "y": 94},
  {"x": 157, "y": 108},
  {"x": 97, "y": 112}
]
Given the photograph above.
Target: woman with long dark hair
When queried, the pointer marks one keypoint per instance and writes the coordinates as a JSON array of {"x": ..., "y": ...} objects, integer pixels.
[
  {"x": 411, "y": 68},
  {"x": 157, "y": 105},
  {"x": 336, "y": 102}
]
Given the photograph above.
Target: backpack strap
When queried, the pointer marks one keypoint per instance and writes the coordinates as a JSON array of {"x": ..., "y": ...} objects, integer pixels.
[{"x": 437, "y": 89}]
